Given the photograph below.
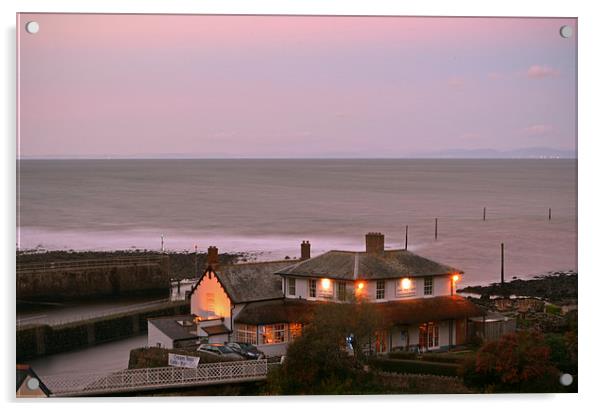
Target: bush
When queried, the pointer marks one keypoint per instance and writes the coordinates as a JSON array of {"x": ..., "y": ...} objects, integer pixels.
[
  {"x": 553, "y": 309},
  {"x": 446, "y": 357},
  {"x": 517, "y": 362},
  {"x": 416, "y": 367},
  {"x": 403, "y": 355}
]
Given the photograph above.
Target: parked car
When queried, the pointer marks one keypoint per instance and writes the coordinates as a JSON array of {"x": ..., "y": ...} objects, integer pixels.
[
  {"x": 219, "y": 350},
  {"x": 248, "y": 351}
]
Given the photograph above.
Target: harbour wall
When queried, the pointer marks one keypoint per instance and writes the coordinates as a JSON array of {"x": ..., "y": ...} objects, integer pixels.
[
  {"x": 40, "y": 339},
  {"x": 71, "y": 280}
]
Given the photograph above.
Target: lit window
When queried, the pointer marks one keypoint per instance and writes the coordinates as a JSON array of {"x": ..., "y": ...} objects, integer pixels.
[
  {"x": 246, "y": 334},
  {"x": 428, "y": 285},
  {"x": 312, "y": 288},
  {"x": 273, "y": 334},
  {"x": 294, "y": 331},
  {"x": 406, "y": 287},
  {"x": 326, "y": 288},
  {"x": 341, "y": 291},
  {"x": 292, "y": 286},
  {"x": 210, "y": 298},
  {"x": 380, "y": 289}
]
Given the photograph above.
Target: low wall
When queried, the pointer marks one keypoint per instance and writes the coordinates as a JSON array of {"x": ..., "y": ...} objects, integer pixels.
[
  {"x": 144, "y": 275},
  {"x": 37, "y": 340}
]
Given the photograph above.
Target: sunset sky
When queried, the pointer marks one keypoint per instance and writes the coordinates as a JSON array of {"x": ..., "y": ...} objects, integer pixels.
[{"x": 259, "y": 86}]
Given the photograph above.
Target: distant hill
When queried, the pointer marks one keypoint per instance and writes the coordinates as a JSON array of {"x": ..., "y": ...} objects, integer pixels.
[{"x": 532, "y": 152}]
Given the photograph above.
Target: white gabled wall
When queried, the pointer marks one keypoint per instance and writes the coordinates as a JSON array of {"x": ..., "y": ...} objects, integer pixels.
[
  {"x": 155, "y": 336},
  {"x": 209, "y": 300}
]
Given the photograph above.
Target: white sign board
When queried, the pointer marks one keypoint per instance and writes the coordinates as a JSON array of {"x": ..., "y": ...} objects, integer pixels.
[{"x": 184, "y": 361}]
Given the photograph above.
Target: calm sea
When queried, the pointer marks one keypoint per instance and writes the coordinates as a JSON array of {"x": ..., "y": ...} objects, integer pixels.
[{"x": 269, "y": 206}]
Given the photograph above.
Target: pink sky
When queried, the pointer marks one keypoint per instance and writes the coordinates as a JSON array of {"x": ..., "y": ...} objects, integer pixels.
[{"x": 260, "y": 86}]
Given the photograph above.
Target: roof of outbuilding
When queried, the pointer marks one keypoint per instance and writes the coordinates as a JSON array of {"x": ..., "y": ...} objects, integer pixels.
[
  {"x": 172, "y": 327},
  {"x": 249, "y": 282},
  {"x": 216, "y": 329},
  {"x": 349, "y": 265},
  {"x": 403, "y": 312}
]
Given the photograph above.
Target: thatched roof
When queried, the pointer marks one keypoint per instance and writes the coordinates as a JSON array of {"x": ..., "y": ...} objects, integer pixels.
[
  {"x": 349, "y": 265},
  {"x": 412, "y": 311}
]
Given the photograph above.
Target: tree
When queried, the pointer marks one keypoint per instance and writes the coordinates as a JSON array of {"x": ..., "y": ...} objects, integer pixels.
[
  {"x": 518, "y": 362},
  {"x": 319, "y": 361}
]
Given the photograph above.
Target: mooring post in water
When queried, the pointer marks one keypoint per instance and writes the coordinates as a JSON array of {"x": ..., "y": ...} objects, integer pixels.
[
  {"x": 196, "y": 255},
  {"x": 484, "y": 213},
  {"x": 436, "y": 228},
  {"x": 162, "y": 246},
  {"x": 406, "y": 247},
  {"x": 502, "y": 268},
  {"x": 549, "y": 214}
]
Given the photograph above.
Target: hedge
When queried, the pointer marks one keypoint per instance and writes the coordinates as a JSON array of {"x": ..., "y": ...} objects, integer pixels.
[{"x": 416, "y": 367}]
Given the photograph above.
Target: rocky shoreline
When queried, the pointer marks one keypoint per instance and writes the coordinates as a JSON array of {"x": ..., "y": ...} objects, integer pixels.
[{"x": 558, "y": 287}]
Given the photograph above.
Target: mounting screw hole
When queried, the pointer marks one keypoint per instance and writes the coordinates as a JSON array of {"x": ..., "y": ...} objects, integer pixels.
[
  {"x": 32, "y": 27},
  {"x": 566, "y": 31}
]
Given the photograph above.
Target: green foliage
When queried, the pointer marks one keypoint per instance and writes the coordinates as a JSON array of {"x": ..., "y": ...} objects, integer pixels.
[
  {"x": 518, "y": 362},
  {"x": 553, "y": 309},
  {"x": 446, "y": 357},
  {"x": 318, "y": 363},
  {"x": 563, "y": 351},
  {"x": 416, "y": 367}
]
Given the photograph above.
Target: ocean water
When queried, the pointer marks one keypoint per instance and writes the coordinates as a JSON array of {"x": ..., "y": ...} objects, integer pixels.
[{"x": 267, "y": 207}]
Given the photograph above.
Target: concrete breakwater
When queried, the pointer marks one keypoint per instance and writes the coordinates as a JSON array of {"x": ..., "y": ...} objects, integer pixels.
[
  {"x": 37, "y": 340},
  {"x": 61, "y": 280}
]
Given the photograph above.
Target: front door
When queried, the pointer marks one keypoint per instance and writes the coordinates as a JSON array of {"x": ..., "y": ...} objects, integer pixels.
[{"x": 381, "y": 341}]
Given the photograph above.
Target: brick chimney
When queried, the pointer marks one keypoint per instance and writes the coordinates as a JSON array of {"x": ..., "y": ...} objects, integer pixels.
[
  {"x": 305, "y": 250},
  {"x": 375, "y": 243},
  {"x": 212, "y": 257}
]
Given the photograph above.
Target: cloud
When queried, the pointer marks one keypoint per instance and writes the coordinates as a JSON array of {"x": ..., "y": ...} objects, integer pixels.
[
  {"x": 537, "y": 130},
  {"x": 538, "y": 72}
]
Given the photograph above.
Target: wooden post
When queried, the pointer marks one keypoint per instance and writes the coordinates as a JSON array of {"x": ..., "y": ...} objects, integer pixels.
[
  {"x": 406, "y": 247},
  {"x": 484, "y": 213},
  {"x": 436, "y": 228},
  {"x": 502, "y": 268},
  {"x": 196, "y": 255},
  {"x": 549, "y": 214}
]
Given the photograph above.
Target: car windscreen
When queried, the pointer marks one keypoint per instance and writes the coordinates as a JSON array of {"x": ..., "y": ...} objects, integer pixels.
[{"x": 224, "y": 350}]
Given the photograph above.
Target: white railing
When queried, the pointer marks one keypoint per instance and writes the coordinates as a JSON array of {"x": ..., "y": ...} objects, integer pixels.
[{"x": 155, "y": 378}]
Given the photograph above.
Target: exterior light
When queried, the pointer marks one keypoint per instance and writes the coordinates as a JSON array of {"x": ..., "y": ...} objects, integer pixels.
[
  {"x": 360, "y": 285},
  {"x": 406, "y": 283},
  {"x": 456, "y": 278},
  {"x": 325, "y": 283}
]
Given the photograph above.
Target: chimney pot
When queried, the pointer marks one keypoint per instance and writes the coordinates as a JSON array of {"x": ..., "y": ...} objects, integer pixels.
[
  {"x": 375, "y": 243},
  {"x": 305, "y": 250}
]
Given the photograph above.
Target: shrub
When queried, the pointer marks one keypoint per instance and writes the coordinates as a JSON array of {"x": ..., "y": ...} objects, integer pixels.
[
  {"x": 416, "y": 367},
  {"x": 517, "y": 362},
  {"x": 446, "y": 357},
  {"x": 403, "y": 355},
  {"x": 553, "y": 309}
]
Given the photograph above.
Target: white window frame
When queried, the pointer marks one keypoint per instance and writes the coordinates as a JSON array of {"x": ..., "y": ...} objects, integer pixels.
[
  {"x": 246, "y": 333},
  {"x": 341, "y": 286},
  {"x": 431, "y": 286},
  {"x": 313, "y": 287},
  {"x": 382, "y": 289},
  {"x": 291, "y": 286}
]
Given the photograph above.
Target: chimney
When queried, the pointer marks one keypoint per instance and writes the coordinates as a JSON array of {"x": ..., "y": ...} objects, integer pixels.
[
  {"x": 375, "y": 243},
  {"x": 305, "y": 250},
  {"x": 212, "y": 257}
]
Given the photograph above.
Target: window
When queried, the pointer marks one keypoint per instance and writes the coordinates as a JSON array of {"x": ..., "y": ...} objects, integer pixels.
[
  {"x": 341, "y": 291},
  {"x": 406, "y": 287},
  {"x": 273, "y": 334},
  {"x": 246, "y": 334},
  {"x": 428, "y": 285},
  {"x": 210, "y": 298},
  {"x": 380, "y": 289},
  {"x": 312, "y": 288},
  {"x": 428, "y": 336},
  {"x": 326, "y": 288},
  {"x": 291, "y": 286},
  {"x": 294, "y": 331}
]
